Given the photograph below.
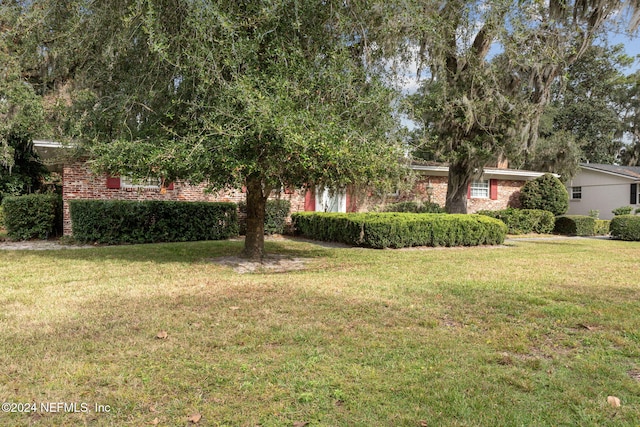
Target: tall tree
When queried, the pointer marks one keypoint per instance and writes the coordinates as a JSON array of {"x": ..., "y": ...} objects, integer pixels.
[
  {"x": 490, "y": 68},
  {"x": 630, "y": 154},
  {"x": 21, "y": 116},
  {"x": 590, "y": 106},
  {"x": 262, "y": 94}
]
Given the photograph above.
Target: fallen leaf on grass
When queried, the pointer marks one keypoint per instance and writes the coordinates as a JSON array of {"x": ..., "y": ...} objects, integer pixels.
[
  {"x": 234, "y": 308},
  {"x": 162, "y": 335},
  {"x": 152, "y": 409},
  {"x": 300, "y": 423},
  {"x": 155, "y": 422},
  {"x": 587, "y": 327},
  {"x": 613, "y": 401},
  {"x": 423, "y": 423},
  {"x": 195, "y": 418}
]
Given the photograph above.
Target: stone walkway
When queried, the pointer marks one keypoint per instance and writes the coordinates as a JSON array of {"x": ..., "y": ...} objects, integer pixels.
[{"x": 39, "y": 245}]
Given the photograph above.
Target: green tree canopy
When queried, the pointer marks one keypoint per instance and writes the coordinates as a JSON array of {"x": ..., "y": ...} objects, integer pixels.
[
  {"x": 264, "y": 94},
  {"x": 490, "y": 69}
]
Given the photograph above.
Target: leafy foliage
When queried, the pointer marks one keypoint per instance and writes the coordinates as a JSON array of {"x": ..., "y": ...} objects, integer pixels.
[
  {"x": 523, "y": 221},
  {"x": 414, "y": 207},
  {"x": 261, "y": 94},
  {"x": 626, "y": 227},
  {"x": 602, "y": 227},
  {"x": 21, "y": 117},
  {"x": 125, "y": 221},
  {"x": 33, "y": 216},
  {"x": 622, "y": 210},
  {"x": 546, "y": 193},
  {"x": 474, "y": 108},
  {"x": 399, "y": 230},
  {"x": 575, "y": 225}
]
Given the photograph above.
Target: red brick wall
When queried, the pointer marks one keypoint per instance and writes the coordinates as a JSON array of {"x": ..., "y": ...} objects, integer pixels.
[
  {"x": 434, "y": 189},
  {"x": 78, "y": 182}
]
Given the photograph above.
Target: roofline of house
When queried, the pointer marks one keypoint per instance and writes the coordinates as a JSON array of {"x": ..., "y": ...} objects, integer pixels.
[
  {"x": 618, "y": 174},
  {"x": 495, "y": 172}
]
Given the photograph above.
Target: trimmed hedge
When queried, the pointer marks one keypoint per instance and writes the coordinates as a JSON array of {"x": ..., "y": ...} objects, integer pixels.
[
  {"x": 275, "y": 219},
  {"x": 523, "y": 221},
  {"x": 34, "y": 216},
  {"x": 413, "y": 207},
  {"x": 125, "y": 221},
  {"x": 399, "y": 230},
  {"x": 547, "y": 193},
  {"x": 601, "y": 227},
  {"x": 575, "y": 225},
  {"x": 626, "y": 227}
]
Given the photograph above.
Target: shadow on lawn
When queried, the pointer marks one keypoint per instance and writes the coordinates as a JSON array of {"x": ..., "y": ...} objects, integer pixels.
[{"x": 187, "y": 252}]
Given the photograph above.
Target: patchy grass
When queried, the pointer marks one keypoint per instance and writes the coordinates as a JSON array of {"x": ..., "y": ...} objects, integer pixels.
[{"x": 534, "y": 333}]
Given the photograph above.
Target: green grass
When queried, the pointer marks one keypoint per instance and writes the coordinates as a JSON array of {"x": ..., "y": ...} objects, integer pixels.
[{"x": 536, "y": 333}]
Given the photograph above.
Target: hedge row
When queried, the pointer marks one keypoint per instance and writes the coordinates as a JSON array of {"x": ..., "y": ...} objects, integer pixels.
[
  {"x": 523, "y": 221},
  {"x": 413, "y": 207},
  {"x": 601, "y": 227},
  {"x": 275, "y": 217},
  {"x": 34, "y": 216},
  {"x": 398, "y": 230},
  {"x": 575, "y": 225},
  {"x": 124, "y": 221},
  {"x": 626, "y": 227}
]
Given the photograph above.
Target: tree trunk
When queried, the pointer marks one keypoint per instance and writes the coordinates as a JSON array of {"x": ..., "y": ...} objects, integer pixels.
[
  {"x": 457, "y": 188},
  {"x": 256, "y": 205}
]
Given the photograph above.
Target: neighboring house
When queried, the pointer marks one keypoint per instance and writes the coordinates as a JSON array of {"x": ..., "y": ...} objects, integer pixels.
[
  {"x": 603, "y": 188},
  {"x": 498, "y": 188}
]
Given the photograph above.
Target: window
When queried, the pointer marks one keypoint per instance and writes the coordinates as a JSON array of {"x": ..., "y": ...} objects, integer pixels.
[
  {"x": 153, "y": 182},
  {"x": 329, "y": 200},
  {"x": 576, "y": 193},
  {"x": 479, "y": 189}
]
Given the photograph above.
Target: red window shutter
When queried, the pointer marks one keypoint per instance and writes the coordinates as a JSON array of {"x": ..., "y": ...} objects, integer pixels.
[
  {"x": 493, "y": 189},
  {"x": 351, "y": 202},
  {"x": 309, "y": 201},
  {"x": 113, "y": 182},
  {"x": 468, "y": 190},
  {"x": 170, "y": 186}
]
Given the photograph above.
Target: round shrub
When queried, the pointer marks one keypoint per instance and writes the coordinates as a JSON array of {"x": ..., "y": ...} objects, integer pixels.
[
  {"x": 625, "y": 227},
  {"x": 546, "y": 193}
]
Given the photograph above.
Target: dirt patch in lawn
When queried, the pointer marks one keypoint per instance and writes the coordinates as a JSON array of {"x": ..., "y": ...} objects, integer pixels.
[{"x": 272, "y": 263}]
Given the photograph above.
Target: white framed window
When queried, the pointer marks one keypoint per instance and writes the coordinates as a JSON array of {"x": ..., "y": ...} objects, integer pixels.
[
  {"x": 576, "y": 193},
  {"x": 151, "y": 182},
  {"x": 330, "y": 200},
  {"x": 479, "y": 189}
]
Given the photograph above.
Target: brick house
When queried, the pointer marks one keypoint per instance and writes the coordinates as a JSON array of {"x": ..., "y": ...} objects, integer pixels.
[{"x": 498, "y": 188}]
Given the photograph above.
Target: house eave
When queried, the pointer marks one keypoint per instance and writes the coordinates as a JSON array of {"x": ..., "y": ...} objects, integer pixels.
[
  {"x": 612, "y": 173},
  {"x": 498, "y": 173}
]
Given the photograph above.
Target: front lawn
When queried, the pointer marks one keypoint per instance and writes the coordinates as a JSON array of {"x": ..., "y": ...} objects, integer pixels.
[{"x": 533, "y": 333}]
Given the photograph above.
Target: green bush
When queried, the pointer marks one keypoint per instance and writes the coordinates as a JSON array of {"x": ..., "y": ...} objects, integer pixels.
[
  {"x": 523, "y": 221},
  {"x": 546, "y": 193},
  {"x": 34, "y": 216},
  {"x": 414, "y": 207},
  {"x": 601, "y": 227},
  {"x": 1, "y": 217},
  {"x": 626, "y": 227},
  {"x": 575, "y": 225},
  {"x": 125, "y": 221},
  {"x": 398, "y": 230},
  {"x": 275, "y": 219},
  {"x": 622, "y": 210}
]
